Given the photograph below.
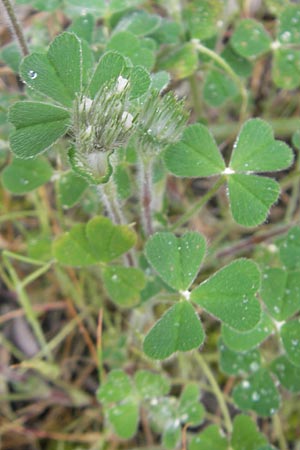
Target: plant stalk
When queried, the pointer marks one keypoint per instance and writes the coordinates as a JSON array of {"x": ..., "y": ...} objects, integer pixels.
[
  {"x": 16, "y": 26},
  {"x": 221, "y": 62},
  {"x": 146, "y": 189},
  {"x": 217, "y": 391},
  {"x": 109, "y": 197}
]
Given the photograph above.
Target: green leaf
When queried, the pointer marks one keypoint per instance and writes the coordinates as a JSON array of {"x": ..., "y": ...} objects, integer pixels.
[
  {"x": 289, "y": 21},
  {"x": 256, "y": 150},
  {"x": 250, "y": 39},
  {"x": 218, "y": 87},
  {"x": 257, "y": 191},
  {"x": 115, "y": 239},
  {"x": 280, "y": 291},
  {"x": 181, "y": 62},
  {"x": 210, "y": 439},
  {"x": 258, "y": 393},
  {"x": 70, "y": 189},
  {"x": 57, "y": 74},
  {"x": 245, "y": 435},
  {"x": 73, "y": 248},
  {"x": 242, "y": 342},
  {"x": 140, "y": 82},
  {"x": 83, "y": 27},
  {"x": 179, "y": 329},
  {"x": 129, "y": 45},
  {"x": 116, "y": 388},
  {"x": 286, "y": 68},
  {"x": 38, "y": 126},
  {"x": 171, "y": 435},
  {"x": 124, "y": 284},
  {"x": 65, "y": 56},
  {"x": 195, "y": 155},
  {"x": 201, "y": 17},
  {"x": 139, "y": 23},
  {"x": 240, "y": 65},
  {"x": 233, "y": 363},
  {"x": 109, "y": 68},
  {"x": 151, "y": 385},
  {"x": 287, "y": 373},
  {"x": 229, "y": 295},
  {"x": 190, "y": 410},
  {"x": 290, "y": 249},
  {"x": 124, "y": 418},
  {"x": 176, "y": 260},
  {"x": 22, "y": 176},
  {"x": 290, "y": 335}
]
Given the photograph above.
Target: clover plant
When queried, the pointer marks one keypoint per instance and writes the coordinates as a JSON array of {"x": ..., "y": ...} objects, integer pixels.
[{"x": 150, "y": 175}]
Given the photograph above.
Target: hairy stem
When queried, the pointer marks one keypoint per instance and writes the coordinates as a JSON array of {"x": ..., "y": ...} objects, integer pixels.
[
  {"x": 109, "y": 197},
  {"x": 145, "y": 176},
  {"x": 16, "y": 26},
  {"x": 196, "y": 208}
]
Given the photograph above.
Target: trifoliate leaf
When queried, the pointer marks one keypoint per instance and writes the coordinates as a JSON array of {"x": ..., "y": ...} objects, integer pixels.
[
  {"x": 22, "y": 176},
  {"x": 289, "y": 21},
  {"x": 251, "y": 197},
  {"x": 195, "y": 155},
  {"x": 179, "y": 329},
  {"x": 257, "y": 393},
  {"x": 124, "y": 284},
  {"x": 229, "y": 295},
  {"x": 176, "y": 260},
  {"x": 38, "y": 126}
]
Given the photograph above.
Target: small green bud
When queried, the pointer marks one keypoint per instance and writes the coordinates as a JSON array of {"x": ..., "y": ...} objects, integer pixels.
[
  {"x": 161, "y": 122},
  {"x": 100, "y": 126}
]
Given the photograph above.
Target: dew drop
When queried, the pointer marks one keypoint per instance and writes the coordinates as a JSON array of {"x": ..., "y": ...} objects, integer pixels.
[
  {"x": 32, "y": 74},
  {"x": 255, "y": 396}
]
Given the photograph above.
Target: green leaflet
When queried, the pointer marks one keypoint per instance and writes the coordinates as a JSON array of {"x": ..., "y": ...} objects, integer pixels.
[
  {"x": 124, "y": 284},
  {"x": 257, "y": 393},
  {"x": 38, "y": 126},
  {"x": 81, "y": 246},
  {"x": 179, "y": 329},
  {"x": 229, "y": 295},
  {"x": 250, "y": 39},
  {"x": 177, "y": 260},
  {"x": 195, "y": 155},
  {"x": 58, "y": 74},
  {"x": 22, "y": 176}
]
